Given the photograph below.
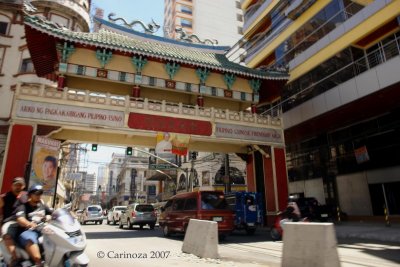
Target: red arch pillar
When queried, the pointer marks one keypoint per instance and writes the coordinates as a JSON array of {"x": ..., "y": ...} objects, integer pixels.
[
  {"x": 275, "y": 182},
  {"x": 17, "y": 154}
]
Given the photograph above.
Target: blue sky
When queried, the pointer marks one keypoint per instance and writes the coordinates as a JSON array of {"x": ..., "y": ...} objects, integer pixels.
[{"x": 143, "y": 10}]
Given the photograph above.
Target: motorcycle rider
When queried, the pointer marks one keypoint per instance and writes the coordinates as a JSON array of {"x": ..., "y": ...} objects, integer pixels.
[
  {"x": 8, "y": 203},
  {"x": 24, "y": 214}
]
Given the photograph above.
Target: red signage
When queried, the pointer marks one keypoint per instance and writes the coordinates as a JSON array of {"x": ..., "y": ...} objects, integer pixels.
[{"x": 169, "y": 124}]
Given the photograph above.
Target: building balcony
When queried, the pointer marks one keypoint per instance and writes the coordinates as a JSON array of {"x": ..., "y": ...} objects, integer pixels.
[
  {"x": 80, "y": 11},
  {"x": 127, "y": 104},
  {"x": 254, "y": 12},
  {"x": 372, "y": 73}
]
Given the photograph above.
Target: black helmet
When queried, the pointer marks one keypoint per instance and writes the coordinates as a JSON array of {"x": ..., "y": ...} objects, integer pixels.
[{"x": 35, "y": 188}]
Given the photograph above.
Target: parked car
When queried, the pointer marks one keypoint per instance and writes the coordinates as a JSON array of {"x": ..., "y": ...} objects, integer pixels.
[
  {"x": 114, "y": 214},
  {"x": 201, "y": 205},
  {"x": 138, "y": 214},
  {"x": 92, "y": 213},
  {"x": 310, "y": 208}
]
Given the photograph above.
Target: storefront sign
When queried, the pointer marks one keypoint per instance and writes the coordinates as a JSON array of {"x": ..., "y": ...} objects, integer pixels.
[
  {"x": 169, "y": 124},
  {"x": 248, "y": 133},
  {"x": 57, "y": 112}
]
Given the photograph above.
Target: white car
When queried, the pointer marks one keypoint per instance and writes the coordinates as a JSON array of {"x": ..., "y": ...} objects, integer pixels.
[{"x": 114, "y": 214}]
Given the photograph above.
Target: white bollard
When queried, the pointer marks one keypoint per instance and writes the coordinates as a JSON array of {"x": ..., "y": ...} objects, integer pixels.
[
  {"x": 309, "y": 245},
  {"x": 201, "y": 239}
]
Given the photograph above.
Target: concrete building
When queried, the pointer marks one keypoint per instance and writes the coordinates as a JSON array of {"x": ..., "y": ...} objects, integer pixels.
[
  {"x": 90, "y": 183},
  {"x": 102, "y": 176},
  {"x": 340, "y": 106},
  {"x": 16, "y": 67},
  {"x": 220, "y": 20}
]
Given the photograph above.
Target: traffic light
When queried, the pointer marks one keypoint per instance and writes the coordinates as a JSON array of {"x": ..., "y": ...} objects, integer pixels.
[
  {"x": 94, "y": 147},
  {"x": 129, "y": 151}
]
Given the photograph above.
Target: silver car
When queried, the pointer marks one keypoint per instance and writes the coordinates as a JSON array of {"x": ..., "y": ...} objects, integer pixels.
[
  {"x": 93, "y": 213},
  {"x": 138, "y": 214},
  {"x": 114, "y": 214}
]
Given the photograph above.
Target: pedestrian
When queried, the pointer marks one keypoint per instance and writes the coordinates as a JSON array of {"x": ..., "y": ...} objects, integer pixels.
[{"x": 8, "y": 203}]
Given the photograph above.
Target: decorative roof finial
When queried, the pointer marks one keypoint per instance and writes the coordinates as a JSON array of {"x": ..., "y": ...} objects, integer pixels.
[
  {"x": 192, "y": 38},
  {"x": 150, "y": 28}
]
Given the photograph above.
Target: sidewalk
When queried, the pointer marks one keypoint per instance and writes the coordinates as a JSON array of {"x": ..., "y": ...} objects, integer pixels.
[
  {"x": 368, "y": 230},
  {"x": 373, "y": 231}
]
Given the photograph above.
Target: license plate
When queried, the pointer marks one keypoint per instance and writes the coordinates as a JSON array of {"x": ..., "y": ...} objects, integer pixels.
[
  {"x": 324, "y": 215},
  {"x": 250, "y": 224},
  {"x": 217, "y": 219}
]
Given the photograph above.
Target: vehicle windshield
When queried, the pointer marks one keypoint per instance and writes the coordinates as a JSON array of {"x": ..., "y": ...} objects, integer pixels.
[
  {"x": 120, "y": 208},
  {"x": 97, "y": 209},
  {"x": 144, "y": 208},
  {"x": 62, "y": 217},
  {"x": 213, "y": 201}
]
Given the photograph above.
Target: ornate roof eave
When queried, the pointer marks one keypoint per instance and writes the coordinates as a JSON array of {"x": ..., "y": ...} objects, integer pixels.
[{"x": 116, "y": 47}]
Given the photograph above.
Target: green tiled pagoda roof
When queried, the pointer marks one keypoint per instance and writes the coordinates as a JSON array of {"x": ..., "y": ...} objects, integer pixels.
[{"x": 153, "y": 46}]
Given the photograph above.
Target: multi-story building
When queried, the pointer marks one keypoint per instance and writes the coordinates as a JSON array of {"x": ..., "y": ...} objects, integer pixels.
[
  {"x": 340, "y": 105},
  {"x": 102, "y": 177},
  {"x": 16, "y": 62},
  {"x": 114, "y": 168},
  {"x": 90, "y": 184},
  {"x": 204, "y": 19},
  {"x": 131, "y": 180}
]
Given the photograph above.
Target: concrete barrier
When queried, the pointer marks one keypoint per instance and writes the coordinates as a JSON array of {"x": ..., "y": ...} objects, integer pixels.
[
  {"x": 309, "y": 244},
  {"x": 201, "y": 239}
]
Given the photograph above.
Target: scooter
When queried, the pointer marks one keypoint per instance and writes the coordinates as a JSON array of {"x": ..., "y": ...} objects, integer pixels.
[
  {"x": 61, "y": 239},
  {"x": 289, "y": 215}
]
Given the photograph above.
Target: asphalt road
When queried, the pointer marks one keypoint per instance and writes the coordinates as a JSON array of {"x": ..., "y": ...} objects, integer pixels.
[{"x": 110, "y": 246}]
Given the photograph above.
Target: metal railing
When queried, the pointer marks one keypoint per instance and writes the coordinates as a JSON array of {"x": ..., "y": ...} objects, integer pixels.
[
  {"x": 144, "y": 104},
  {"x": 380, "y": 55},
  {"x": 342, "y": 15}
]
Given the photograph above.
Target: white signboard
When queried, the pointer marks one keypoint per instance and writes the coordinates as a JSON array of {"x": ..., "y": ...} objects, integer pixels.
[
  {"x": 57, "y": 112},
  {"x": 74, "y": 176},
  {"x": 249, "y": 133}
]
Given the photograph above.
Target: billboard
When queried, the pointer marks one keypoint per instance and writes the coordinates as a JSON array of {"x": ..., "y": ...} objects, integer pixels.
[{"x": 44, "y": 164}]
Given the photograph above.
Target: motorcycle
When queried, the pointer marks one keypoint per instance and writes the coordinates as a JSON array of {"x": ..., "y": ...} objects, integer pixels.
[
  {"x": 62, "y": 242},
  {"x": 289, "y": 215}
]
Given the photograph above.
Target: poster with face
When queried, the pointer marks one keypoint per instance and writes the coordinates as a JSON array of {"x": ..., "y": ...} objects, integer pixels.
[
  {"x": 171, "y": 144},
  {"x": 205, "y": 178},
  {"x": 44, "y": 164}
]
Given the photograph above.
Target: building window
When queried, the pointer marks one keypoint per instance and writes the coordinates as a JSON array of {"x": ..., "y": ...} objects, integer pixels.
[
  {"x": 2, "y": 51},
  {"x": 243, "y": 96},
  {"x": 152, "y": 81},
  {"x": 80, "y": 70},
  {"x": 152, "y": 190},
  {"x": 240, "y": 30},
  {"x": 238, "y": 5},
  {"x": 27, "y": 66},
  {"x": 186, "y": 23},
  {"x": 188, "y": 87},
  {"x": 3, "y": 27},
  {"x": 122, "y": 76},
  {"x": 239, "y": 17},
  {"x": 186, "y": 9}
]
